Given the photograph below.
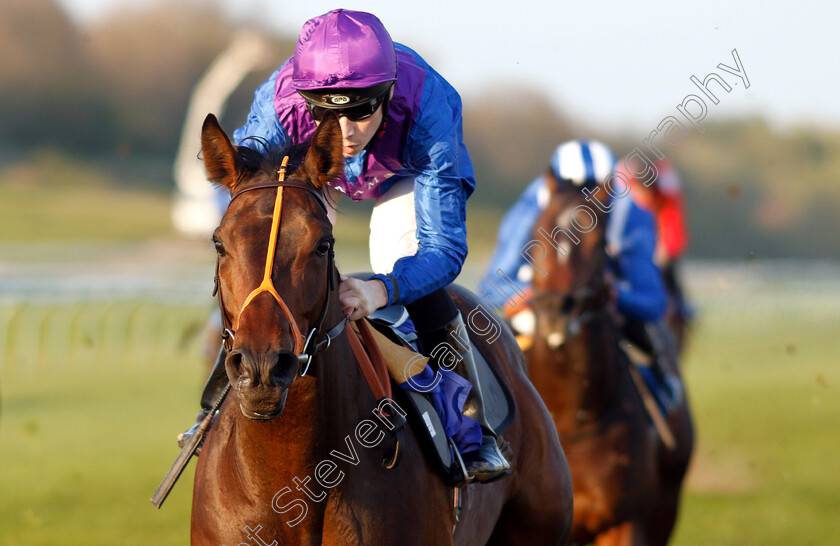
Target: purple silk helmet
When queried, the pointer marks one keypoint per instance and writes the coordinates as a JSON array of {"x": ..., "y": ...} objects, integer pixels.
[{"x": 343, "y": 49}]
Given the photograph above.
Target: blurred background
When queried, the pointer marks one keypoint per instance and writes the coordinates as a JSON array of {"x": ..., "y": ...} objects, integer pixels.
[{"x": 106, "y": 265}]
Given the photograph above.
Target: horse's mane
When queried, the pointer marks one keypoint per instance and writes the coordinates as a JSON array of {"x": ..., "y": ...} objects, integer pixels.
[{"x": 268, "y": 162}]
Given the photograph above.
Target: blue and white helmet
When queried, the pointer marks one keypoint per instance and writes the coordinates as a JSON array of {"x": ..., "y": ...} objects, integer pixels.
[{"x": 582, "y": 161}]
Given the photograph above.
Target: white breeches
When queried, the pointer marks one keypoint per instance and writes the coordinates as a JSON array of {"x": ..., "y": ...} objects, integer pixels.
[{"x": 393, "y": 226}]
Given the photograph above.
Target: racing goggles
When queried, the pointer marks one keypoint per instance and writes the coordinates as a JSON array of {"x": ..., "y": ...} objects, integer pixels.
[{"x": 357, "y": 112}]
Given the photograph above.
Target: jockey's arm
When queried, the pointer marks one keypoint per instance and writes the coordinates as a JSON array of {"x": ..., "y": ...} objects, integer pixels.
[
  {"x": 442, "y": 242},
  {"x": 435, "y": 153},
  {"x": 641, "y": 292}
]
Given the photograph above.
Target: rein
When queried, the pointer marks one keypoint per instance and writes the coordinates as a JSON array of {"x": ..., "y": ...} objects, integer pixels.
[{"x": 307, "y": 347}]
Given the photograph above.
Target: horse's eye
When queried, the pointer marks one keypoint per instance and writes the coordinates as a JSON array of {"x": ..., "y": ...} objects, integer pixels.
[
  {"x": 220, "y": 249},
  {"x": 323, "y": 247}
]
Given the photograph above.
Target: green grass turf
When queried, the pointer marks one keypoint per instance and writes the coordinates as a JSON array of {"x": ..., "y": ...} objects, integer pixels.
[
  {"x": 86, "y": 438},
  {"x": 53, "y": 197},
  {"x": 84, "y": 442},
  {"x": 764, "y": 390}
]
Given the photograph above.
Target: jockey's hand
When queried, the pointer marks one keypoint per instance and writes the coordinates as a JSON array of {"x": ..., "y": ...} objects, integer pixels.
[{"x": 360, "y": 298}]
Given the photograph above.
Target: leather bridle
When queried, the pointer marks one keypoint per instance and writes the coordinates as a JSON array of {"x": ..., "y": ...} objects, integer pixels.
[
  {"x": 577, "y": 308},
  {"x": 305, "y": 348}
]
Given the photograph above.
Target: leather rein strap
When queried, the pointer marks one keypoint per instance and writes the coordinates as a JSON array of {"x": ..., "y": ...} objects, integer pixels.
[
  {"x": 378, "y": 379},
  {"x": 373, "y": 367}
]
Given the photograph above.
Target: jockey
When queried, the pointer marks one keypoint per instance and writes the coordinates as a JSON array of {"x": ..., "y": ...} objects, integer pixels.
[
  {"x": 630, "y": 245},
  {"x": 631, "y": 234},
  {"x": 403, "y": 148}
]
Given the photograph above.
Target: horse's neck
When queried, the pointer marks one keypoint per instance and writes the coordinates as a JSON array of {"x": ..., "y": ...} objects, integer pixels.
[
  {"x": 290, "y": 436},
  {"x": 319, "y": 412},
  {"x": 583, "y": 374}
]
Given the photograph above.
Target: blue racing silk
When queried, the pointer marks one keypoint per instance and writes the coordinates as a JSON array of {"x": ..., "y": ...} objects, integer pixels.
[
  {"x": 421, "y": 136},
  {"x": 515, "y": 232},
  {"x": 631, "y": 242}
]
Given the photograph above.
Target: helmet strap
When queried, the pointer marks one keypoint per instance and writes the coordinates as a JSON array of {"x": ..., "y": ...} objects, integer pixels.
[{"x": 384, "y": 107}]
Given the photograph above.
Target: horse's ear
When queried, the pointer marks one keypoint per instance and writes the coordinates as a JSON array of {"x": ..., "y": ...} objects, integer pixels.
[
  {"x": 324, "y": 161},
  {"x": 221, "y": 161}
]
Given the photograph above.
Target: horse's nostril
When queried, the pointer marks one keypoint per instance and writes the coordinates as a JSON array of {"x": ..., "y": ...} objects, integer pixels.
[
  {"x": 233, "y": 363},
  {"x": 267, "y": 369},
  {"x": 568, "y": 305},
  {"x": 237, "y": 372},
  {"x": 286, "y": 369}
]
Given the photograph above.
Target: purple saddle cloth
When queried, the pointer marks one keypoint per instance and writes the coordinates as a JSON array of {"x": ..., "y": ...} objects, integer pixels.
[{"x": 448, "y": 398}]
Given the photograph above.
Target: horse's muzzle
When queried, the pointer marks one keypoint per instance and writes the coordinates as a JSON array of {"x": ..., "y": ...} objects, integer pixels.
[{"x": 261, "y": 380}]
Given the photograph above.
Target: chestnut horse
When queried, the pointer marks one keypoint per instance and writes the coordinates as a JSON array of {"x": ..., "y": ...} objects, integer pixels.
[
  {"x": 626, "y": 482},
  {"x": 298, "y": 460}
]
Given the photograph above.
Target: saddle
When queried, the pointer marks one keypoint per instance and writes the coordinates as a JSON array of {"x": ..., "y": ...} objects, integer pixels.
[
  {"x": 657, "y": 364},
  {"x": 654, "y": 373},
  {"x": 396, "y": 342}
]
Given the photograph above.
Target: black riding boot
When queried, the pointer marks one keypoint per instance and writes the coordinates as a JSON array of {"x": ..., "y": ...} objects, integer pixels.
[
  {"x": 487, "y": 463},
  {"x": 664, "y": 360},
  {"x": 214, "y": 387},
  {"x": 647, "y": 338}
]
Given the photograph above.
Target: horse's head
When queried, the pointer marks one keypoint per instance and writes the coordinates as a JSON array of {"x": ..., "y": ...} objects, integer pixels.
[
  {"x": 274, "y": 246},
  {"x": 573, "y": 270}
]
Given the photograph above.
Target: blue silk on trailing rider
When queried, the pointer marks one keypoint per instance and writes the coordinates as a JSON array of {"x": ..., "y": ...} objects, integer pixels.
[{"x": 631, "y": 233}]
